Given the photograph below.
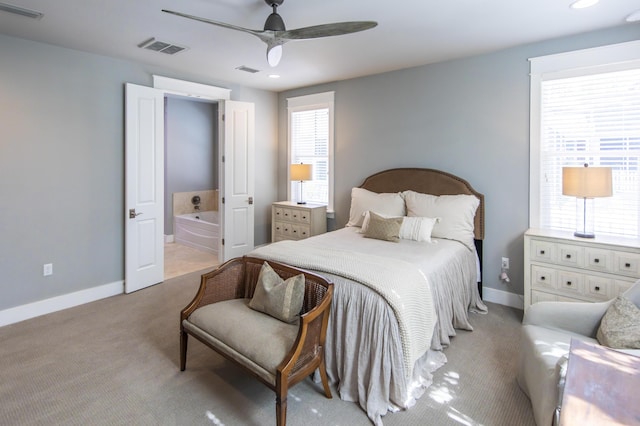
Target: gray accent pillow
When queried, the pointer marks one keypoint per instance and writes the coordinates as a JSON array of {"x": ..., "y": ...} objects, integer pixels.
[
  {"x": 382, "y": 228},
  {"x": 281, "y": 299},
  {"x": 620, "y": 325}
]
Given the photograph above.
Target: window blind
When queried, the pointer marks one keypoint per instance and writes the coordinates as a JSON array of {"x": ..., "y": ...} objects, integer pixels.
[
  {"x": 310, "y": 145},
  {"x": 591, "y": 119}
]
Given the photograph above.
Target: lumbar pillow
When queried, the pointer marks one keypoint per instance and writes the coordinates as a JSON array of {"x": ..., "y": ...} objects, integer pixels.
[
  {"x": 281, "y": 299},
  {"x": 417, "y": 228},
  {"x": 390, "y": 204},
  {"x": 382, "y": 228},
  {"x": 620, "y": 325},
  {"x": 456, "y": 213}
]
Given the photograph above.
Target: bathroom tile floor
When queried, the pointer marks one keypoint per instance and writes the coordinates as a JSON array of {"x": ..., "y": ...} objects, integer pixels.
[{"x": 180, "y": 260}]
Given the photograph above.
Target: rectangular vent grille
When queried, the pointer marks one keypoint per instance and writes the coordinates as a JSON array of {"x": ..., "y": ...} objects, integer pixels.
[
  {"x": 20, "y": 11},
  {"x": 161, "y": 46},
  {"x": 247, "y": 69}
]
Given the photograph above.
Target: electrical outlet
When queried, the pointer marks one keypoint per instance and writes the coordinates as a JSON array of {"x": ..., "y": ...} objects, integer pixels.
[
  {"x": 505, "y": 263},
  {"x": 47, "y": 269}
]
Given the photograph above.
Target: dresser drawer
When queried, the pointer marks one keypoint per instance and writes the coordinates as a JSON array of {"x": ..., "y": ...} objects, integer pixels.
[
  {"x": 600, "y": 288},
  {"x": 543, "y": 278},
  {"x": 599, "y": 260},
  {"x": 569, "y": 255},
  {"x": 542, "y": 251},
  {"x": 570, "y": 282},
  {"x": 627, "y": 264}
]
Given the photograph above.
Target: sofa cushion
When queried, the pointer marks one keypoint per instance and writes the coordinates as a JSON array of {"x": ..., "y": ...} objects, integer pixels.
[
  {"x": 282, "y": 299},
  {"x": 620, "y": 326},
  {"x": 248, "y": 336}
]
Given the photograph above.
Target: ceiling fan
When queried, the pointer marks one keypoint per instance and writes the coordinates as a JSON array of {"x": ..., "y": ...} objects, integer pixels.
[{"x": 275, "y": 34}]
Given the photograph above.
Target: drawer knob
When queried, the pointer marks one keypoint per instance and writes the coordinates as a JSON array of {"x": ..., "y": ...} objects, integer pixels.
[
  {"x": 542, "y": 278},
  {"x": 596, "y": 260},
  {"x": 568, "y": 256},
  {"x": 627, "y": 265},
  {"x": 597, "y": 288},
  {"x": 304, "y": 217},
  {"x": 568, "y": 283},
  {"x": 541, "y": 251}
]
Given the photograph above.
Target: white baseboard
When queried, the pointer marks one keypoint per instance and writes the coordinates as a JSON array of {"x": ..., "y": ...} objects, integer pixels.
[
  {"x": 58, "y": 303},
  {"x": 502, "y": 297},
  {"x": 169, "y": 238}
]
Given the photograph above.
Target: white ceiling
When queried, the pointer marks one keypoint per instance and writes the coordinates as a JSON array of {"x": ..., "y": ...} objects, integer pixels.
[{"x": 409, "y": 33}]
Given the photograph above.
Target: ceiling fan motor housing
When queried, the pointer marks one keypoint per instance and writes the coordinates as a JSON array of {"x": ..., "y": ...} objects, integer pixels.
[{"x": 274, "y": 21}]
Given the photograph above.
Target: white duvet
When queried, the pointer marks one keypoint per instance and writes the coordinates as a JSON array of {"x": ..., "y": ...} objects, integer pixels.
[{"x": 391, "y": 302}]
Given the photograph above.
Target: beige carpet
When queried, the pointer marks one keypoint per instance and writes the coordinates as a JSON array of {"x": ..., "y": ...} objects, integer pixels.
[{"x": 115, "y": 362}]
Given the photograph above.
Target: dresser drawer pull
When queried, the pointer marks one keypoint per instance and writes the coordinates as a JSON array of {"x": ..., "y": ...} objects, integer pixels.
[
  {"x": 541, "y": 252},
  {"x": 542, "y": 278},
  {"x": 597, "y": 288},
  {"x": 304, "y": 217},
  {"x": 627, "y": 265},
  {"x": 568, "y": 283},
  {"x": 596, "y": 260},
  {"x": 568, "y": 256}
]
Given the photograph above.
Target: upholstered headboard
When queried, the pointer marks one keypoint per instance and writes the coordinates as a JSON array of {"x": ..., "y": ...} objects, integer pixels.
[{"x": 426, "y": 181}]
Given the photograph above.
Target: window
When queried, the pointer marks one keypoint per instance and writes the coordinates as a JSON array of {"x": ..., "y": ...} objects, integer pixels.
[
  {"x": 585, "y": 109},
  {"x": 311, "y": 142}
]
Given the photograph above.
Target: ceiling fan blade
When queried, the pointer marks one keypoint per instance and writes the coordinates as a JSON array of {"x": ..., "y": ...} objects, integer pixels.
[
  {"x": 326, "y": 30},
  {"x": 262, "y": 35}
]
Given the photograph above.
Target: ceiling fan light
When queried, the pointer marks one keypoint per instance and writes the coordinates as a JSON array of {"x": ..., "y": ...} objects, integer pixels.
[
  {"x": 581, "y": 4},
  {"x": 274, "y": 54}
]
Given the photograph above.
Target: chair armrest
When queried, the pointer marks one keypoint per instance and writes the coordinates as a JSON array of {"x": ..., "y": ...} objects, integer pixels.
[
  {"x": 582, "y": 318},
  {"x": 308, "y": 348},
  {"x": 223, "y": 283}
]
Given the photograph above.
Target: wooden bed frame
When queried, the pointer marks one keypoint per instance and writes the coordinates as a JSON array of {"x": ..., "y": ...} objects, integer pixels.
[{"x": 430, "y": 181}]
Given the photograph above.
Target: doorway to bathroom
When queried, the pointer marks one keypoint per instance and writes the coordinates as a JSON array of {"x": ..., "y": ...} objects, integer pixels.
[{"x": 191, "y": 183}]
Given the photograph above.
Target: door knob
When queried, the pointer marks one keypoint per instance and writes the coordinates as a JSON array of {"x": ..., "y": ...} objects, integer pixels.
[{"x": 133, "y": 214}]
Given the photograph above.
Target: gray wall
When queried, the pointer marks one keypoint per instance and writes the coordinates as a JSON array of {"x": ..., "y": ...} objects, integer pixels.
[
  {"x": 61, "y": 166},
  {"x": 469, "y": 117},
  {"x": 191, "y": 150}
]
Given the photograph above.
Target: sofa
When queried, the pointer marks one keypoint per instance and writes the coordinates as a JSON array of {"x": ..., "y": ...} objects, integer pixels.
[{"x": 547, "y": 330}]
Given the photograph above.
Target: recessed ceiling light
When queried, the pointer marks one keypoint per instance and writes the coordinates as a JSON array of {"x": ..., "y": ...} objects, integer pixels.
[
  {"x": 274, "y": 76},
  {"x": 581, "y": 4},
  {"x": 634, "y": 17}
]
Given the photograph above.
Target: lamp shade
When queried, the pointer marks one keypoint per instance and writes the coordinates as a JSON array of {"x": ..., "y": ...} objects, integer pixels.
[
  {"x": 301, "y": 172},
  {"x": 586, "y": 182}
]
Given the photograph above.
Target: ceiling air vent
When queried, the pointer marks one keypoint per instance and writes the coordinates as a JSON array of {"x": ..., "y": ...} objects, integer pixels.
[
  {"x": 247, "y": 69},
  {"x": 161, "y": 46},
  {"x": 20, "y": 11}
]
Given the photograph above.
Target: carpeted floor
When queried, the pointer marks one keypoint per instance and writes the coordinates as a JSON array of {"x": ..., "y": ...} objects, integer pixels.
[{"x": 115, "y": 362}]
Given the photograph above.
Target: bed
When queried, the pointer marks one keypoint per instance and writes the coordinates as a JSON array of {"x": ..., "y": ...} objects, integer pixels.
[{"x": 397, "y": 301}]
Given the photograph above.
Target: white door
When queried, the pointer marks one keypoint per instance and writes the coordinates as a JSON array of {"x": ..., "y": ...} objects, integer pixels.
[
  {"x": 144, "y": 187},
  {"x": 237, "y": 177}
]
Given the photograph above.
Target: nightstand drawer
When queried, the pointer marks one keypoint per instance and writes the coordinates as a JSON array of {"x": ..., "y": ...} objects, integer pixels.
[{"x": 292, "y": 221}]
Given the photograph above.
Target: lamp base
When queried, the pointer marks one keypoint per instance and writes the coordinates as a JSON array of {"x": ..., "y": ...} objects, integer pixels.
[
  {"x": 302, "y": 202},
  {"x": 584, "y": 235}
]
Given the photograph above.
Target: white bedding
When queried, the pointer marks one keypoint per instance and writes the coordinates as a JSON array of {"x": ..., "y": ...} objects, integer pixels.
[{"x": 365, "y": 340}]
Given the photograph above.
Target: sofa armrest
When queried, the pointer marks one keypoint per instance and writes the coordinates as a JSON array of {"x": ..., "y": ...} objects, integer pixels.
[{"x": 582, "y": 318}]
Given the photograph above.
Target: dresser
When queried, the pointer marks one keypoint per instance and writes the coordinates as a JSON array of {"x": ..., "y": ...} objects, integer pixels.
[
  {"x": 292, "y": 221},
  {"x": 561, "y": 267}
]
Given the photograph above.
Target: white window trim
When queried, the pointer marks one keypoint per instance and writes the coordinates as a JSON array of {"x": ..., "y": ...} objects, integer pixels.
[
  {"x": 308, "y": 102},
  {"x": 616, "y": 57}
]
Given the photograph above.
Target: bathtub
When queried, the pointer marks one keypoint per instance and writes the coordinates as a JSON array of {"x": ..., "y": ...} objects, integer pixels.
[{"x": 198, "y": 230}]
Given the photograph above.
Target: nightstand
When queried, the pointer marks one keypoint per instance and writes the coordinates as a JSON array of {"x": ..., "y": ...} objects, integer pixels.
[
  {"x": 292, "y": 221},
  {"x": 561, "y": 267}
]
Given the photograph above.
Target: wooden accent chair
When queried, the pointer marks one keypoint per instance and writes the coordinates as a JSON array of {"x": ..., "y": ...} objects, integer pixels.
[{"x": 276, "y": 353}]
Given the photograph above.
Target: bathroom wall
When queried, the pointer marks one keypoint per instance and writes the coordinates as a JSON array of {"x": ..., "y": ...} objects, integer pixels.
[
  {"x": 191, "y": 147},
  {"x": 182, "y": 202}
]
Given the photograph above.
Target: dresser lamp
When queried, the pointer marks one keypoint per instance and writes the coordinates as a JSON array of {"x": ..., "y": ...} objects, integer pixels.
[
  {"x": 586, "y": 183},
  {"x": 301, "y": 172}
]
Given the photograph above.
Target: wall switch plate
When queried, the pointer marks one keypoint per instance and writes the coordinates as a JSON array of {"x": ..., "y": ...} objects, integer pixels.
[
  {"x": 47, "y": 269},
  {"x": 505, "y": 263}
]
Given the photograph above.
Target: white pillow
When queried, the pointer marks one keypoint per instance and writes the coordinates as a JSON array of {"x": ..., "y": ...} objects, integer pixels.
[
  {"x": 412, "y": 228},
  {"x": 456, "y": 213},
  {"x": 362, "y": 200}
]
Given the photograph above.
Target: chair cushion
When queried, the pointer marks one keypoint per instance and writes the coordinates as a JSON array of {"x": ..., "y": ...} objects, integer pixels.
[
  {"x": 620, "y": 326},
  {"x": 248, "y": 336},
  {"x": 282, "y": 299}
]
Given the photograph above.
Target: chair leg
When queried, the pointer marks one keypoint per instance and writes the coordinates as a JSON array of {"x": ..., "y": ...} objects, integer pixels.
[
  {"x": 281, "y": 410},
  {"x": 183, "y": 349},
  {"x": 325, "y": 379}
]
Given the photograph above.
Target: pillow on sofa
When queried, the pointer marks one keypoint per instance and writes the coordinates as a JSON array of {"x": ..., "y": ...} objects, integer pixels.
[
  {"x": 390, "y": 204},
  {"x": 381, "y": 228},
  {"x": 620, "y": 325},
  {"x": 281, "y": 299}
]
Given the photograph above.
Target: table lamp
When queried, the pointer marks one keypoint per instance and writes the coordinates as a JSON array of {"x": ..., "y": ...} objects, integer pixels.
[
  {"x": 301, "y": 172},
  {"x": 586, "y": 183}
]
